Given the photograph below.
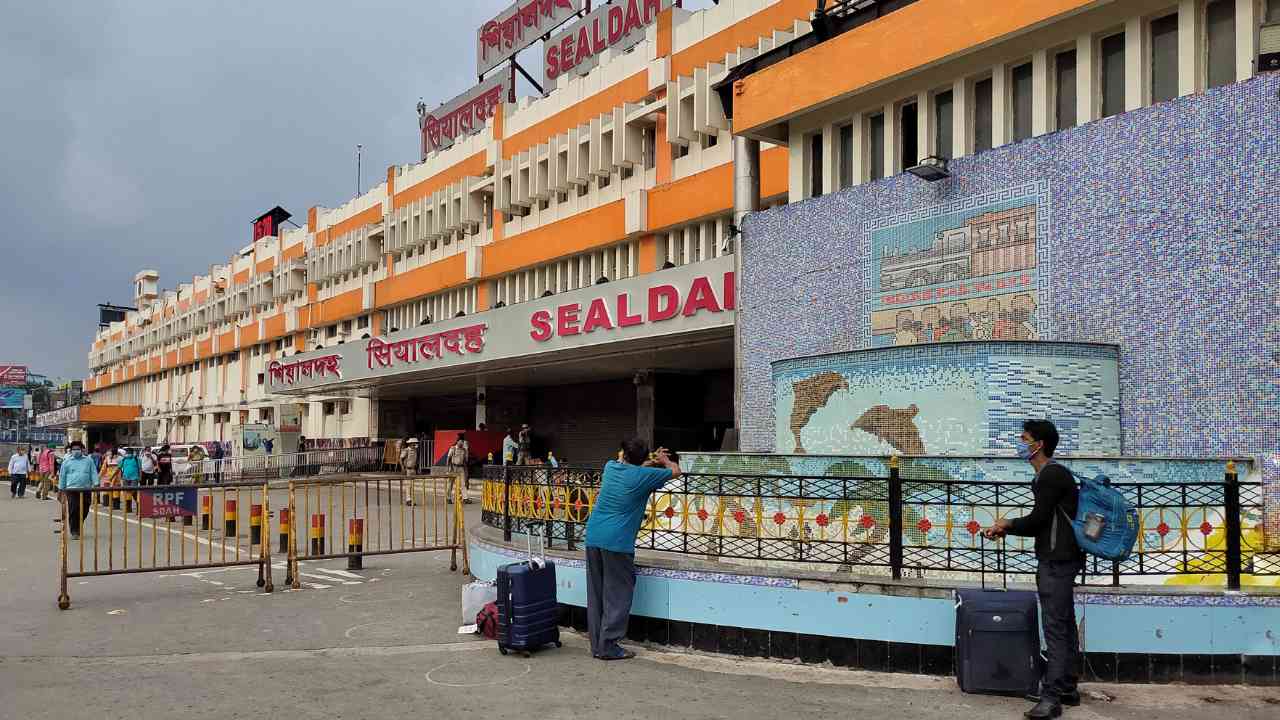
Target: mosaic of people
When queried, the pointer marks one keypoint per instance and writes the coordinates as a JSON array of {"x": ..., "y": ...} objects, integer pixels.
[{"x": 962, "y": 276}]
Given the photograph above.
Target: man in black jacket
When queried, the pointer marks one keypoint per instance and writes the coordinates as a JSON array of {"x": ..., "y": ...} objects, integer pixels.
[{"x": 1059, "y": 560}]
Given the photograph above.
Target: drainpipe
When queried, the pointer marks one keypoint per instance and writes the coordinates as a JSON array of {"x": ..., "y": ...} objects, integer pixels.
[{"x": 746, "y": 200}]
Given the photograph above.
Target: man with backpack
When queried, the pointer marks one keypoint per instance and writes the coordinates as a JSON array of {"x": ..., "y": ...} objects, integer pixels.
[{"x": 1059, "y": 560}]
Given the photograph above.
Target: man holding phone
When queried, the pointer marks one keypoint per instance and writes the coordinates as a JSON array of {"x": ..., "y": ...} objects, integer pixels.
[
  {"x": 1058, "y": 561},
  {"x": 611, "y": 542}
]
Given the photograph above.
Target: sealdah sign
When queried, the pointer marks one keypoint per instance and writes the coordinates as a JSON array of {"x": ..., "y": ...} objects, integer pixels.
[
  {"x": 619, "y": 25},
  {"x": 663, "y": 302}
]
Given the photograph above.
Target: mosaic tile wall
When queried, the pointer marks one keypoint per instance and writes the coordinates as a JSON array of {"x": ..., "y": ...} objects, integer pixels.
[
  {"x": 1157, "y": 231},
  {"x": 961, "y": 398}
]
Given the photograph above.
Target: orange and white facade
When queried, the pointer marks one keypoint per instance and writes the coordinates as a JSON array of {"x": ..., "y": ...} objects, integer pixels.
[{"x": 620, "y": 173}]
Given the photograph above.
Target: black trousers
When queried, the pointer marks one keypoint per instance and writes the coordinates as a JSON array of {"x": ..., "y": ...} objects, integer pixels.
[
  {"x": 1055, "y": 583},
  {"x": 17, "y": 485},
  {"x": 78, "y": 506},
  {"x": 611, "y": 584}
]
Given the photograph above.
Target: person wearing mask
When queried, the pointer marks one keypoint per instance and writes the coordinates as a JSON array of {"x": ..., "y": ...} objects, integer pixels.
[
  {"x": 47, "y": 464},
  {"x": 164, "y": 465},
  {"x": 196, "y": 456},
  {"x": 1058, "y": 561},
  {"x": 524, "y": 442},
  {"x": 611, "y": 542},
  {"x": 96, "y": 455},
  {"x": 19, "y": 467},
  {"x": 509, "y": 448},
  {"x": 149, "y": 466},
  {"x": 78, "y": 472},
  {"x": 130, "y": 468}
]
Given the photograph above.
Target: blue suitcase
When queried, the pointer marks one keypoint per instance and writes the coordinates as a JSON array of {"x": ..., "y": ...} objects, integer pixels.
[
  {"x": 998, "y": 640},
  {"x": 528, "y": 615}
]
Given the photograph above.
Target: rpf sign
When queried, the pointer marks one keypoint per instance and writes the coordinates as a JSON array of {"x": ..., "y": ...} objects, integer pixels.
[{"x": 171, "y": 502}]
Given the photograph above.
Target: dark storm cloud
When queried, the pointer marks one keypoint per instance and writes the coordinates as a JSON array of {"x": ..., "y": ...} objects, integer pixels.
[{"x": 148, "y": 133}]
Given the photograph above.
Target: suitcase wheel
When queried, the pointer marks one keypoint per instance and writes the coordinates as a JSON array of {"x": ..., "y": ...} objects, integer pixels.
[{"x": 502, "y": 650}]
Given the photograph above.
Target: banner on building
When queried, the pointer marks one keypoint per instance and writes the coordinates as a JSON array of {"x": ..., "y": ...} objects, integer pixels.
[
  {"x": 13, "y": 375},
  {"x": 464, "y": 115},
  {"x": 577, "y": 48},
  {"x": 518, "y": 27},
  {"x": 12, "y": 398}
]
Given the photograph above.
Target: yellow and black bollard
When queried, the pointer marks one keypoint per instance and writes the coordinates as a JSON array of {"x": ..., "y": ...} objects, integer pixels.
[
  {"x": 284, "y": 530},
  {"x": 229, "y": 518},
  {"x": 206, "y": 511},
  {"x": 317, "y": 534},
  {"x": 355, "y": 543},
  {"x": 255, "y": 524}
]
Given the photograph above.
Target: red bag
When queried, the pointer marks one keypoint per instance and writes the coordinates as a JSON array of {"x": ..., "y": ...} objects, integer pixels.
[{"x": 487, "y": 621}]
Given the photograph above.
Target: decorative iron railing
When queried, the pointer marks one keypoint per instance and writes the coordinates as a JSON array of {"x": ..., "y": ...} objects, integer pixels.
[{"x": 1201, "y": 532}]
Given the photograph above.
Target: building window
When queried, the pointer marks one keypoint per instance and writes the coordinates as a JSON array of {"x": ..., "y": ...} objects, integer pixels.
[
  {"x": 1220, "y": 27},
  {"x": 649, "y": 145},
  {"x": 909, "y": 116},
  {"x": 943, "y": 116},
  {"x": 1164, "y": 58},
  {"x": 815, "y": 165},
  {"x": 875, "y": 154},
  {"x": 261, "y": 378},
  {"x": 1111, "y": 50},
  {"x": 331, "y": 331},
  {"x": 328, "y": 408},
  {"x": 982, "y": 115},
  {"x": 265, "y": 415},
  {"x": 845, "y": 134},
  {"x": 1020, "y": 86},
  {"x": 1064, "y": 79},
  {"x": 1273, "y": 11}
]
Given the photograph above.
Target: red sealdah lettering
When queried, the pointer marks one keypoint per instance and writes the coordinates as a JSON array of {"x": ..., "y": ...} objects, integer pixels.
[
  {"x": 597, "y": 317},
  {"x": 625, "y": 319},
  {"x": 659, "y": 296},
  {"x": 701, "y": 297},
  {"x": 541, "y": 321},
  {"x": 615, "y": 23},
  {"x": 567, "y": 319}
]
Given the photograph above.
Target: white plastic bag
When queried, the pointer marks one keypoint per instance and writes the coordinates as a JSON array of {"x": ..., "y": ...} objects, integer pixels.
[{"x": 474, "y": 597}]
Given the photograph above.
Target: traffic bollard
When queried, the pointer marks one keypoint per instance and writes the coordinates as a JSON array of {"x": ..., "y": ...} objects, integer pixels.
[
  {"x": 229, "y": 518},
  {"x": 355, "y": 543},
  {"x": 317, "y": 534},
  {"x": 255, "y": 525},
  {"x": 284, "y": 530},
  {"x": 206, "y": 511}
]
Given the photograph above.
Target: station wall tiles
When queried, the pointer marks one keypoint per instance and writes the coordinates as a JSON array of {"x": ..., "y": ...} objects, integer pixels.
[
  {"x": 1156, "y": 231},
  {"x": 953, "y": 399}
]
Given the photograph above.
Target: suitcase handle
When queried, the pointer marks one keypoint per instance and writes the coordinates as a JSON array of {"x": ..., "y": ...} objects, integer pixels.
[{"x": 541, "y": 561}]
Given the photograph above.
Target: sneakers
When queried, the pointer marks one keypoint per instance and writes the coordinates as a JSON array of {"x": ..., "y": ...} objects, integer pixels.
[
  {"x": 1044, "y": 710},
  {"x": 617, "y": 652},
  {"x": 1071, "y": 699}
]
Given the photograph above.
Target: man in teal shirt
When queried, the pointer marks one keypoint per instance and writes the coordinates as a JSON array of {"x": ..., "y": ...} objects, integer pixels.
[
  {"x": 78, "y": 471},
  {"x": 611, "y": 543}
]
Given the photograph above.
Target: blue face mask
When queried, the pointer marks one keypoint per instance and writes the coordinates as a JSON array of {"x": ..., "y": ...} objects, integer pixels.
[
  {"x": 77, "y": 453},
  {"x": 1024, "y": 449}
]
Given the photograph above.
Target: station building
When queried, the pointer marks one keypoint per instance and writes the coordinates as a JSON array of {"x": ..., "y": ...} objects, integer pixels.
[{"x": 573, "y": 261}]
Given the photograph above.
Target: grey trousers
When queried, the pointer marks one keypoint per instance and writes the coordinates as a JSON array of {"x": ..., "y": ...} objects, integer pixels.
[
  {"x": 1055, "y": 582},
  {"x": 611, "y": 583}
]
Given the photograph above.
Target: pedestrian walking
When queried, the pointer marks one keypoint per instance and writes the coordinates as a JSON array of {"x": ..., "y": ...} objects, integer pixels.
[
  {"x": 164, "y": 466},
  {"x": 509, "y": 448},
  {"x": 47, "y": 464},
  {"x": 77, "y": 472},
  {"x": 611, "y": 542},
  {"x": 19, "y": 468},
  {"x": 150, "y": 466},
  {"x": 1059, "y": 560},
  {"x": 409, "y": 456},
  {"x": 217, "y": 455},
  {"x": 196, "y": 456},
  {"x": 459, "y": 456},
  {"x": 130, "y": 468},
  {"x": 523, "y": 442}
]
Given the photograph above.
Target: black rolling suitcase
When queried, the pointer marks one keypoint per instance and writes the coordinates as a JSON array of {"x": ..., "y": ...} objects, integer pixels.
[
  {"x": 528, "y": 616},
  {"x": 998, "y": 639}
]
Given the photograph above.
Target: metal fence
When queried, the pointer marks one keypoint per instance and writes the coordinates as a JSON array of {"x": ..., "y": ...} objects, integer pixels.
[
  {"x": 1201, "y": 531},
  {"x": 310, "y": 463}
]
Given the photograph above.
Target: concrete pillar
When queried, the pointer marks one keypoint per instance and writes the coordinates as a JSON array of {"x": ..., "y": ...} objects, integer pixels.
[
  {"x": 1086, "y": 80},
  {"x": 1040, "y": 96},
  {"x": 646, "y": 405},
  {"x": 892, "y": 131},
  {"x": 1190, "y": 47},
  {"x": 746, "y": 200},
  {"x": 1001, "y": 129},
  {"x": 926, "y": 126},
  {"x": 1247, "y": 22},
  {"x": 961, "y": 119},
  {"x": 1137, "y": 63},
  {"x": 861, "y": 169}
]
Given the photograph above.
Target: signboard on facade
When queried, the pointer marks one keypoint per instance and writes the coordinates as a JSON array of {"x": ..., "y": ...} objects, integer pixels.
[
  {"x": 464, "y": 115},
  {"x": 290, "y": 415},
  {"x": 59, "y": 417},
  {"x": 577, "y": 48},
  {"x": 518, "y": 27},
  {"x": 12, "y": 398},
  {"x": 177, "y": 502},
  {"x": 664, "y": 304},
  {"x": 13, "y": 375}
]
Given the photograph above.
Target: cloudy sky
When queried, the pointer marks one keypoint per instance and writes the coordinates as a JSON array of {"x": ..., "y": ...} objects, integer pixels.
[{"x": 148, "y": 133}]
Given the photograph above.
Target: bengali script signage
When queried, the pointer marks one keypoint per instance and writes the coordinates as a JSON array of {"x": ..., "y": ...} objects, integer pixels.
[
  {"x": 618, "y": 26},
  {"x": 621, "y": 315},
  {"x": 319, "y": 368},
  {"x": 517, "y": 27},
  {"x": 61, "y": 416},
  {"x": 464, "y": 115},
  {"x": 458, "y": 341}
]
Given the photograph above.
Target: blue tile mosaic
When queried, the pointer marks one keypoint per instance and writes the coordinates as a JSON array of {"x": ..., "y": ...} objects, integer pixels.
[{"x": 1155, "y": 230}]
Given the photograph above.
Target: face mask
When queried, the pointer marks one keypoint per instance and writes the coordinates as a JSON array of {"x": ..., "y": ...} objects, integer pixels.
[
  {"x": 1024, "y": 449},
  {"x": 77, "y": 453}
]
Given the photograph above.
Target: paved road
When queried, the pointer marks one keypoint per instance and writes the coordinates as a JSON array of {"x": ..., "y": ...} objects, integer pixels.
[{"x": 382, "y": 642}]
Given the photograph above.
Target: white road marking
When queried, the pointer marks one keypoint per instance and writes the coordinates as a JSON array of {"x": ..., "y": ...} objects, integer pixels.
[{"x": 496, "y": 681}]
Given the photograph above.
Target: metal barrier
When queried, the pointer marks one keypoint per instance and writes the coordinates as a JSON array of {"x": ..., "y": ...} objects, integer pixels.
[
  {"x": 120, "y": 531},
  {"x": 309, "y": 463},
  {"x": 374, "y": 516},
  {"x": 929, "y": 528}
]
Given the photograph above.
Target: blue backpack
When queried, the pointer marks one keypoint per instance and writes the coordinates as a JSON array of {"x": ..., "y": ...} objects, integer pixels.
[{"x": 1106, "y": 524}]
